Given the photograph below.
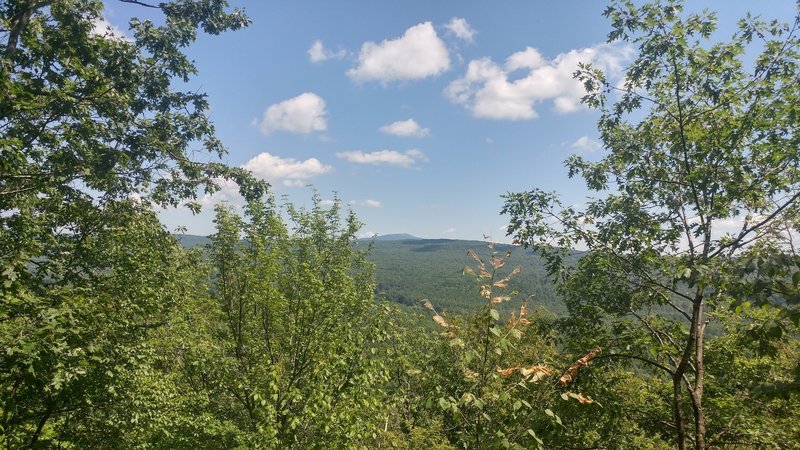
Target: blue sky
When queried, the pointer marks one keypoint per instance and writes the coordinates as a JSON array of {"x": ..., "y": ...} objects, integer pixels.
[{"x": 420, "y": 114}]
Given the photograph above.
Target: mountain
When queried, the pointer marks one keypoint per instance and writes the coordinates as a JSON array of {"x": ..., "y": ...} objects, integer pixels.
[
  {"x": 409, "y": 269},
  {"x": 395, "y": 237},
  {"x": 191, "y": 240}
]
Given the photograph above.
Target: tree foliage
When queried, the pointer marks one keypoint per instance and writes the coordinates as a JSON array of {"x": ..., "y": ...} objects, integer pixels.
[
  {"x": 502, "y": 377},
  {"x": 92, "y": 133},
  {"x": 697, "y": 140},
  {"x": 682, "y": 331},
  {"x": 299, "y": 318}
]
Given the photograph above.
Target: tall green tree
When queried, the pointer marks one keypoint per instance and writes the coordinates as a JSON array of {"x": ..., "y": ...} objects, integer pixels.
[
  {"x": 92, "y": 133},
  {"x": 298, "y": 333},
  {"x": 697, "y": 139}
]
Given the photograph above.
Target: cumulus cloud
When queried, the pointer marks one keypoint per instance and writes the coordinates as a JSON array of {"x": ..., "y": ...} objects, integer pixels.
[
  {"x": 449, "y": 231},
  {"x": 418, "y": 54},
  {"x": 302, "y": 114},
  {"x": 408, "y": 127},
  {"x": 387, "y": 157},
  {"x": 228, "y": 192},
  {"x": 367, "y": 235},
  {"x": 492, "y": 91},
  {"x": 461, "y": 29},
  {"x": 285, "y": 171},
  {"x": 103, "y": 28},
  {"x": 318, "y": 53},
  {"x": 586, "y": 144}
]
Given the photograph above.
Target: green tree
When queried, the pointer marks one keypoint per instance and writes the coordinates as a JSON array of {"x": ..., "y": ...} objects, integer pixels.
[
  {"x": 299, "y": 336},
  {"x": 494, "y": 384},
  {"x": 92, "y": 132},
  {"x": 696, "y": 139}
]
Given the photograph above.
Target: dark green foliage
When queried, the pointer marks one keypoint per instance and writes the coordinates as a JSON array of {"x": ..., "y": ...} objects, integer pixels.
[
  {"x": 288, "y": 349},
  {"x": 73, "y": 323},
  {"x": 268, "y": 334},
  {"x": 93, "y": 133},
  {"x": 695, "y": 141},
  {"x": 410, "y": 270}
]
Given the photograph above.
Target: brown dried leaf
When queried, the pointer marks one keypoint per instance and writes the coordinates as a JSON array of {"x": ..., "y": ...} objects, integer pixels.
[
  {"x": 502, "y": 284},
  {"x": 535, "y": 373},
  {"x": 573, "y": 370},
  {"x": 506, "y": 372},
  {"x": 440, "y": 320},
  {"x": 523, "y": 311},
  {"x": 501, "y": 299},
  {"x": 486, "y": 292},
  {"x": 474, "y": 256},
  {"x": 512, "y": 321},
  {"x": 497, "y": 262}
]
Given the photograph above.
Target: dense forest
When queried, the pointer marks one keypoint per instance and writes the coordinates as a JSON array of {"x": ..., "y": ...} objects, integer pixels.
[
  {"x": 409, "y": 269},
  {"x": 285, "y": 330}
]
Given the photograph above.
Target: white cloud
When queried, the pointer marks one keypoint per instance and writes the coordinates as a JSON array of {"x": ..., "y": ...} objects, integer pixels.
[
  {"x": 103, "y": 28},
  {"x": 228, "y": 192},
  {"x": 419, "y": 53},
  {"x": 417, "y": 154},
  {"x": 461, "y": 29},
  {"x": 285, "y": 171},
  {"x": 367, "y": 202},
  {"x": 388, "y": 157},
  {"x": 449, "y": 231},
  {"x": 530, "y": 58},
  {"x": 490, "y": 91},
  {"x": 408, "y": 127},
  {"x": 586, "y": 144},
  {"x": 302, "y": 114},
  {"x": 318, "y": 53},
  {"x": 367, "y": 235}
]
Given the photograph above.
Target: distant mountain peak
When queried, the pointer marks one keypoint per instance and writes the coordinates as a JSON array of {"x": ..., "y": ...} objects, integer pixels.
[{"x": 396, "y": 237}]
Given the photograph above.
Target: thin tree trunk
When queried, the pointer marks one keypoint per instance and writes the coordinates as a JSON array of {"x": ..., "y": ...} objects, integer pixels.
[
  {"x": 44, "y": 419},
  {"x": 689, "y": 352},
  {"x": 677, "y": 412},
  {"x": 697, "y": 395}
]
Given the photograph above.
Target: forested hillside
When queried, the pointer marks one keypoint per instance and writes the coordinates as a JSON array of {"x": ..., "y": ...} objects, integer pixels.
[{"x": 409, "y": 270}]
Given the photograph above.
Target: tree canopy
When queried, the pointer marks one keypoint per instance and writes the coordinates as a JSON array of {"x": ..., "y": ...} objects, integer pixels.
[
  {"x": 94, "y": 131},
  {"x": 681, "y": 277},
  {"x": 697, "y": 141}
]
